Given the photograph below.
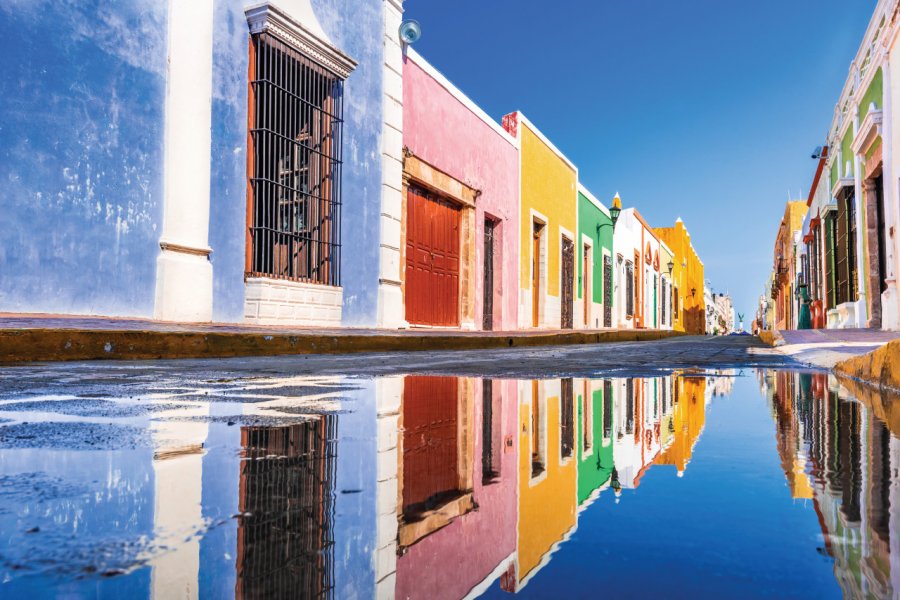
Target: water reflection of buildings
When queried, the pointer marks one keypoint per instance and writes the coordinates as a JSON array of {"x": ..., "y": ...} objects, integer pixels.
[
  {"x": 688, "y": 418},
  {"x": 548, "y": 475},
  {"x": 456, "y": 506},
  {"x": 851, "y": 473},
  {"x": 285, "y": 543}
]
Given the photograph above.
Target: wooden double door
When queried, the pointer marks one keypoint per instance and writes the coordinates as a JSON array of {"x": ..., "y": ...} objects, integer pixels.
[{"x": 432, "y": 259}]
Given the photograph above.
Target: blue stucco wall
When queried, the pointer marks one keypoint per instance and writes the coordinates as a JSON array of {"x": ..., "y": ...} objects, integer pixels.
[
  {"x": 357, "y": 27},
  {"x": 354, "y": 26},
  {"x": 81, "y": 118}
]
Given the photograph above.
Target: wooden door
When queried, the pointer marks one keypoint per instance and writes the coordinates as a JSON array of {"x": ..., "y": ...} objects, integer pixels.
[
  {"x": 586, "y": 283},
  {"x": 536, "y": 274},
  {"x": 432, "y": 260},
  {"x": 431, "y": 423},
  {"x": 488, "y": 304},
  {"x": 567, "y": 295}
]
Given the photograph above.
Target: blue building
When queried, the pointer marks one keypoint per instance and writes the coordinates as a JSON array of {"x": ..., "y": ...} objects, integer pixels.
[{"x": 204, "y": 160}]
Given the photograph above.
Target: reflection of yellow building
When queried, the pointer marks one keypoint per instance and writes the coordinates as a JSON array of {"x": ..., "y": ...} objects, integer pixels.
[
  {"x": 547, "y": 472},
  {"x": 688, "y": 420},
  {"x": 548, "y": 224}
]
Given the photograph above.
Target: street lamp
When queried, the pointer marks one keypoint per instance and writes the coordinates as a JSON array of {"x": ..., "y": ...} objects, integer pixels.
[
  {"x": 671, "y": 266},
  {"x": 614, "y": 213}
]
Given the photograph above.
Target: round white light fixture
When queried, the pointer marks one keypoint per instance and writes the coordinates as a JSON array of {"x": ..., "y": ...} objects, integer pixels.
[{"x": 410, "y": 31}]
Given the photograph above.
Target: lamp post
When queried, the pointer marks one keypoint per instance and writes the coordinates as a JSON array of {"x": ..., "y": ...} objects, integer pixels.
[{"x": 614, "y": 213}]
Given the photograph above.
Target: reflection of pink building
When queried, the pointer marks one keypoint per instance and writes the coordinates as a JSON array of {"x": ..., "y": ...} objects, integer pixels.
[
  {"x": 461, "y": 157},
  {"x": 449, "y": 560}
]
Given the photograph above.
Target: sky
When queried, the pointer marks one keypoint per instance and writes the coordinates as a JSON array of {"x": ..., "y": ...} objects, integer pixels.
[{"x": 708, "y": 110}]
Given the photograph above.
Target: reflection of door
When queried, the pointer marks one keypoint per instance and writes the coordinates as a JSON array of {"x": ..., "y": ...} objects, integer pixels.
[
  {"x": 607, "y": 291},
  {"x": 568, "y": 283},
  {"x": 488, "y": 304},
  {"x": 567, "y": 418},
  {"x": 536, "y": 274},
  {"x": 586, "y": 291},
  {"x": 430, "y": 443},
  {"x": 432, "y": 260}
]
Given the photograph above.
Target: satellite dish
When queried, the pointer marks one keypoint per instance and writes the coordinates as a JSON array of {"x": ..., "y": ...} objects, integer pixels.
[{"x": 410, "y": 31}]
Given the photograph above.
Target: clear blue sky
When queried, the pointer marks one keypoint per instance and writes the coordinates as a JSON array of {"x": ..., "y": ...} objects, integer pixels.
[{"x": 702, "y": 109}]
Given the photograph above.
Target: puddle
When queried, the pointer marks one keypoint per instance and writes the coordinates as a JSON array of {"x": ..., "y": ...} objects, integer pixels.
[{"x": 694, "y": 483}]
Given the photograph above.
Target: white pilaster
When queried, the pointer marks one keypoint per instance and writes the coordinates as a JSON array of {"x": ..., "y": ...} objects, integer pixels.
[
  {"x": 862, "y": 309},
  {"x": 183, "y": 271},
  {"x": 890, "y": 300},
  {"x": 390, "y": 297}
]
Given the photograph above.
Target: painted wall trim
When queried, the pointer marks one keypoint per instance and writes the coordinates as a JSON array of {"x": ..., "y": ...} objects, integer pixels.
[
  {"x": 587, "y": 194},
  {"x": 522, "y": 119}
]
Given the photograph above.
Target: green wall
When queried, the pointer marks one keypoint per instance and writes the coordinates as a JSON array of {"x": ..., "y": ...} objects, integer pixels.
[
  {"x": 847, "y": 151},
  {"x": 589, "y": 218},
  {"x": 875, "y": 94}
]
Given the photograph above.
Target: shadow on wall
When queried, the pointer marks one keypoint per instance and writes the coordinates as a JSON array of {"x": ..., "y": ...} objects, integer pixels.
[{"x": 695, "y": 321}]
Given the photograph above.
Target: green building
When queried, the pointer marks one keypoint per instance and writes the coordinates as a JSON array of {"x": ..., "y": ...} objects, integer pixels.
[
  {"x": 595, "y": 436},
  {"x": 593, "y": 306}
]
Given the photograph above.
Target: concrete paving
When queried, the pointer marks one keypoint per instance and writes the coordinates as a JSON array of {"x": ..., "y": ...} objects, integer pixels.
[
  {"x": 824, "y": 348},
  {"x": 608, "y": 359}
]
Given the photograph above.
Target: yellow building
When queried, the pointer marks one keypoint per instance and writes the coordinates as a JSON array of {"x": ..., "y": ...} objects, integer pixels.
[
  {"x": 548, "y": 472},
  {"x": 549, "y": 220},
  {"x": 689, "y": 307}
]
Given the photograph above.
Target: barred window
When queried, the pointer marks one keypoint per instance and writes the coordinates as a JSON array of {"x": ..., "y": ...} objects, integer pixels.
[{"x": 294, "y": 165}]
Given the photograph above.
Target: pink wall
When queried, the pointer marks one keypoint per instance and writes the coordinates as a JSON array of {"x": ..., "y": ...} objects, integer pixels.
[
  {"x": 451, "y": 561},
  {"x": 439, "y": 129}
]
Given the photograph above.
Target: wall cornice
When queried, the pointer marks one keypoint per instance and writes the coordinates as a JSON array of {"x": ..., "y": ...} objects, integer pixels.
[{"x": 269, "y": 18}]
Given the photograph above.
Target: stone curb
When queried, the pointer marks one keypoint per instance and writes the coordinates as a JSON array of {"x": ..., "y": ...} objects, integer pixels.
[
  {"x": 39, "y": 345},
  {"x": 879, "y": 368}
]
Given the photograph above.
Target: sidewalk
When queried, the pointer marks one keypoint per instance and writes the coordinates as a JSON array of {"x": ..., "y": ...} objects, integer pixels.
[
  {"x": 826, "y": 348},
  {"x": 25, "y": 338}
]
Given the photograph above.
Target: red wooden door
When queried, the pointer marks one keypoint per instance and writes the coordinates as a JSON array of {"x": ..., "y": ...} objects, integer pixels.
[
  {"x": 432, "y": 260},
  {"x": 430, "y": 443}
]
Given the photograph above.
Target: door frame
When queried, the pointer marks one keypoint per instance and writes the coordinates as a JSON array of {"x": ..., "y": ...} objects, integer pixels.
[
  {"x": 587, "y": 281},
  {"x": 537, "y": 218},
  {"x": 418, "y": 173},
  {"x": 571, "y": 237}
]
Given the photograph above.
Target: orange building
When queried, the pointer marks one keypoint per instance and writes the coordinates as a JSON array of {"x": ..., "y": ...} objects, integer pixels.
[{"x": 786, "y": 266}]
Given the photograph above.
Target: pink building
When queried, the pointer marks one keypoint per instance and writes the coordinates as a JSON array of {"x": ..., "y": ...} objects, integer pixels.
[
  {"x": 458, "y": 503},
  {"x": 459, "y": 230}
]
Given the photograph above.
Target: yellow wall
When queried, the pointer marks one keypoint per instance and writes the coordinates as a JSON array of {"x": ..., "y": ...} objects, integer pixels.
[
  {"x": 549, "y": 187},
  {"x": 692, "y": 309},
  {"x": 547, "y": 504}
]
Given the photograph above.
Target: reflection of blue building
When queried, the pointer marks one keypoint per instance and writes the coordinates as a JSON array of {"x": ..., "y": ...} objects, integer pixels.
[
  {"x": 201, "y": 508},
  {"x": 135, "y": 160}
]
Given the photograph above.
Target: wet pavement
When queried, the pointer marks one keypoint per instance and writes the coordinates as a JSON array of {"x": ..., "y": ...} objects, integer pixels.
[{"x": 682, "y": 468}]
